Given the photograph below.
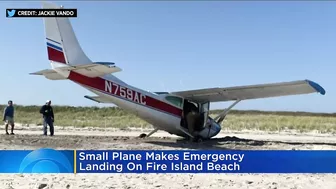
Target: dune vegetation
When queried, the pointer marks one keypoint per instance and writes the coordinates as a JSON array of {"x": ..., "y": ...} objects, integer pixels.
[{"x": 236, "y": 120}]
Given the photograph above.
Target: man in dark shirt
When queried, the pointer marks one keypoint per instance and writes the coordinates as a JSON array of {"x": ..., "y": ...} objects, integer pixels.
[
  {"x": 48, "y": 118},
  {"x": 8, "y": 117}
]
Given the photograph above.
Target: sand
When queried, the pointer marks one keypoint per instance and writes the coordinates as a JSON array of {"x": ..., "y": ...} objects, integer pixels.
[{"x": 30, "y": 137}]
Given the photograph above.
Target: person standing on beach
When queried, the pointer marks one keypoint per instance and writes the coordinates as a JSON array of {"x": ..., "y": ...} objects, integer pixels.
[
  {"x": 48, "y": 118},
  {"x": 8, "y": 117}
]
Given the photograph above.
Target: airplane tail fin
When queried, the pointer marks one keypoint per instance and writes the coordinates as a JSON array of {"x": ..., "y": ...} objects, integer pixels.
[
  {"x": 62, "y": 44},
  {"x": 65, "y": 53}
]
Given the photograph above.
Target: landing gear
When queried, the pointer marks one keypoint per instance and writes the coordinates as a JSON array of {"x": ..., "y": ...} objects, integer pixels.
[
  {"x": 195, "y": 139},
  {"x": 143, "y": 135},
  {"x": 198, "y": 139}
]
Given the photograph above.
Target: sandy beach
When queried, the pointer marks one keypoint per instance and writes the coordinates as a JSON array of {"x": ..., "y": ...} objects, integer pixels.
[{"x": 93, "y": 138}]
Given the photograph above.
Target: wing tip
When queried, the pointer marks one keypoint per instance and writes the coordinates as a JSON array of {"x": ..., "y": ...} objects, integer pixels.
[
  {"x": 317, "y": 87},
  {"x": 35, "y": 73}
]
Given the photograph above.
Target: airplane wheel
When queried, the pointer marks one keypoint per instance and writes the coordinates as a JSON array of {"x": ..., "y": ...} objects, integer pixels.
[
  {"x": 198, "y": 139},
  {"x": 143, "y": 135}
]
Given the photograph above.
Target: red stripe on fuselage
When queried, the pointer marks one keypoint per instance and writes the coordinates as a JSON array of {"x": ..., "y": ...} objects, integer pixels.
[
  {"x": 56, "y": 55},
  {"x": 124, "y": 92}
]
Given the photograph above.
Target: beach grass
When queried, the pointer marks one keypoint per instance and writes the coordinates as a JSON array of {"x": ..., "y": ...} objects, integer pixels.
[{"x": 236, "y": 119}]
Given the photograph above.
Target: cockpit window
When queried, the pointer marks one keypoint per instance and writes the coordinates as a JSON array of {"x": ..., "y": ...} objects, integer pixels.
[
  {"x": 177, "y": 101},
  {"x": 205, "y": 107}
]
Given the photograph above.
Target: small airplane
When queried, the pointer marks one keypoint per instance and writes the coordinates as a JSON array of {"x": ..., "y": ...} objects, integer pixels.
[{"x": 165, "y": 111}]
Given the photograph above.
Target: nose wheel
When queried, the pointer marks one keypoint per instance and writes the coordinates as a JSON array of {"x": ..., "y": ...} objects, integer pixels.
[{"x": 197, "y": 139}]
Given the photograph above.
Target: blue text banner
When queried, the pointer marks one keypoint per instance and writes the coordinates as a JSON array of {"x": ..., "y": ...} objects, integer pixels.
[
  {"x": 166, "y": 161},
  {"x": 205, "y": 161}
]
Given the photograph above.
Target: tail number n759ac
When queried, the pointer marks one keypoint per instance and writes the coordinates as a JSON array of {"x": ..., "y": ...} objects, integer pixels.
[{"x": 124, "y": 92}]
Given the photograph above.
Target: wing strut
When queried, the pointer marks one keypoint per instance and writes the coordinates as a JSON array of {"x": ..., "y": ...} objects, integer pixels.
[
  {"x": 143, "y": 135},
  {"x": 222, "y": 115},
  {"x": 152, "y": 132}
]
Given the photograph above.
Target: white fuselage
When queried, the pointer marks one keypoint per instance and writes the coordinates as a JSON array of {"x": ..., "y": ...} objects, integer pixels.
[{"x": 153, "y": 108}]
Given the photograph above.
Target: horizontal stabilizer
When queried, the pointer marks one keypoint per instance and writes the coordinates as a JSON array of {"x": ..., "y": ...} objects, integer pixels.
[
  {"x": 98, "y": 99},
  {"x": 49, "y": 74},
  {"x": 96, "y": 69}
]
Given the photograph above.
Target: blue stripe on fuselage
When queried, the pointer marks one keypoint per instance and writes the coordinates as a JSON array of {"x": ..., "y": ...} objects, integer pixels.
[{"x": 53, "y": 41}]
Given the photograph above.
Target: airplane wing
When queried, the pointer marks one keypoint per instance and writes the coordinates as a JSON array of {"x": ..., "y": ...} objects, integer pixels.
[
  {"x": 252, "y": 91},
  {"x": 98, "y": 99}
]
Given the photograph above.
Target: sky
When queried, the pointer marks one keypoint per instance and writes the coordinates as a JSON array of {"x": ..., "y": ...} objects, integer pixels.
[{"x": 172, "y": 46}]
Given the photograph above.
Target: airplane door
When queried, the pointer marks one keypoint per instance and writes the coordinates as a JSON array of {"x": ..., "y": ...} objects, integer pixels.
[{"x": 205, "y": 109}]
